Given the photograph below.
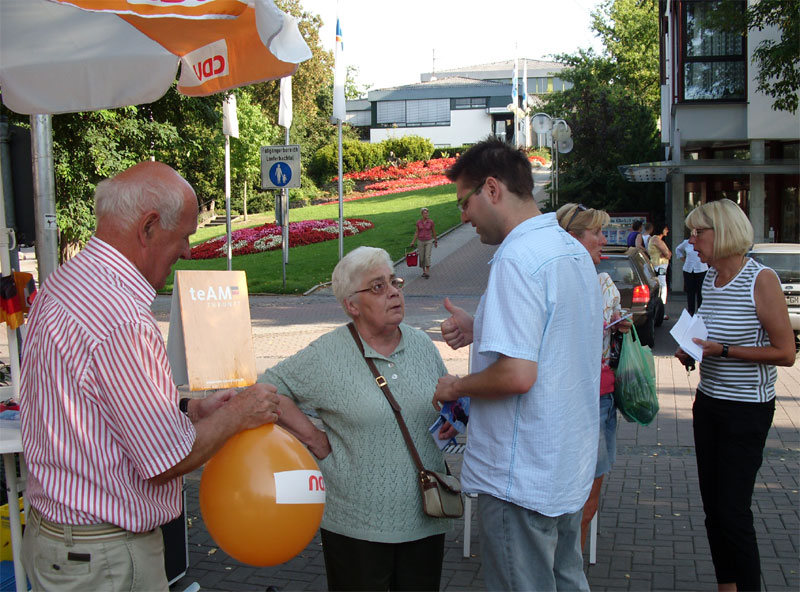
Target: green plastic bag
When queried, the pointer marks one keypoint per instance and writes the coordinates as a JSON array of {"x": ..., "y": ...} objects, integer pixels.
[{"x": 635, "y": 381}]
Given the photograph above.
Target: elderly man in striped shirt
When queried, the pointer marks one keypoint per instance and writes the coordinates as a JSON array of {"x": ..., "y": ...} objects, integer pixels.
[{"x": 104, "y": 435}]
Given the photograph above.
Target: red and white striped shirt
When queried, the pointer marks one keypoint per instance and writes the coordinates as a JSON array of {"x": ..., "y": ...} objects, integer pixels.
[{"x": 98, "y": 406}]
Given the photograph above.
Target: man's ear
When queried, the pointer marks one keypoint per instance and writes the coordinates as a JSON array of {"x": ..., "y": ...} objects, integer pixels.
[
  {"x": 492, "y": 189},
  {"x": 147, "y": 226}
]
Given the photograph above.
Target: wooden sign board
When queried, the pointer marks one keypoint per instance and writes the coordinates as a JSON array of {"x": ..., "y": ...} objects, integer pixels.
[{"x": 210, "y": 342}]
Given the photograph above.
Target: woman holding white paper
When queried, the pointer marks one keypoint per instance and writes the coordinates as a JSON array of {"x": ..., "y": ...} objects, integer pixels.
[
  {"x": 749, "y": 333},
  {"x": 586, "y": 225}
]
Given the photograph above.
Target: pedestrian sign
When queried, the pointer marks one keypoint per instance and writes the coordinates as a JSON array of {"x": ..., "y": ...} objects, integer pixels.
[{"x": 280, "y": 166}]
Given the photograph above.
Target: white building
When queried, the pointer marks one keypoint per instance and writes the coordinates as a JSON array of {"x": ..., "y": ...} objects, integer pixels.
[{"x": 455, "y": 107}]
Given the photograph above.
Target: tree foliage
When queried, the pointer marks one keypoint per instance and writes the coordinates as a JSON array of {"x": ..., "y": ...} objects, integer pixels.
[
  {"x": 629, "y": 32},
  {"x": 610, "y": 127}
]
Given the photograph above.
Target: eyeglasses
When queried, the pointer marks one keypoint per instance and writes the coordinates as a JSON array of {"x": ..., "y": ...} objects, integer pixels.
[
  {"x": 695, "y": 232},
  {"x": 379, "y": 288},
  {"x": 462, "y": 203},
  {"x": 578, "y": 210}
]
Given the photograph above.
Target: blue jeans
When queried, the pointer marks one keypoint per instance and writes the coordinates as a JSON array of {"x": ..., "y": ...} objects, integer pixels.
[
  {"x": 607, "y": 447},
  {"x": 524, "y": 550}
]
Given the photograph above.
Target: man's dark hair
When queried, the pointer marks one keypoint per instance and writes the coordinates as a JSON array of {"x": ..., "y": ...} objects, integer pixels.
[
  {"x": 637, "y": 224},
  {"x": 495, "y": 158}
]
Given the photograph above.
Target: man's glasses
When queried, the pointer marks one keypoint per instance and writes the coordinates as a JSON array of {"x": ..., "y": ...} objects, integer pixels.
[
  {"x": 462, "y": 203},
  {"x": 695, "y": 232},
  {"x": 578, "y": 210},
  {"x": 379, "y": 288}
]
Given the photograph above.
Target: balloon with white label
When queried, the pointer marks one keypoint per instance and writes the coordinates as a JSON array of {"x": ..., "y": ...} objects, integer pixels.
[{"x": 262, "y": 496}]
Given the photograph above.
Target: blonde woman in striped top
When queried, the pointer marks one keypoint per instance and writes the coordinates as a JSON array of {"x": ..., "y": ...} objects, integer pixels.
[{"x": 748, "y": 335}]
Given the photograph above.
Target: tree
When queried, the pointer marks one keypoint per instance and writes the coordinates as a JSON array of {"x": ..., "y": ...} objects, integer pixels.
[
  {"x": 629, "y": 32},
  {"x": 610, "y": 127}
]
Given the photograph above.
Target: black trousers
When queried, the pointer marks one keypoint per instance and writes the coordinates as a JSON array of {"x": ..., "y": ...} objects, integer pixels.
[
  {"x": 729, "y": 439},
  {"x": 356, "y": 564},
  {"x": 693, "y": 284}
]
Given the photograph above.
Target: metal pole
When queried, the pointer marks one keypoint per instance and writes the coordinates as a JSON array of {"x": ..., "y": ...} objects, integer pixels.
[
  {"x": 341, "y": 197},
  {"x": 44, "y": 195},
  {"x": 228, "y": 199},
  {"x": 286, "y": 215}
]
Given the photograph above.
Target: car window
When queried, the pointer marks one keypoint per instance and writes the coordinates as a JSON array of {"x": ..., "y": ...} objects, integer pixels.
[
  {"x": 786, "y": 265},
  {"x": 620, "y": 269},
  {"x": 644, "y": 265}
]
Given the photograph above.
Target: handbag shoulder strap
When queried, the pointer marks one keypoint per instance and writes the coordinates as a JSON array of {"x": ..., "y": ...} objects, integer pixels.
[{"x": 384, "y": 386}]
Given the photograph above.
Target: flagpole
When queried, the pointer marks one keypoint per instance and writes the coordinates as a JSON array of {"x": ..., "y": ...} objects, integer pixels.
[
  {"x": 285, "y": 227},
  {"x": 228, "y": 199},
  {"x": 341, "y": 197}
]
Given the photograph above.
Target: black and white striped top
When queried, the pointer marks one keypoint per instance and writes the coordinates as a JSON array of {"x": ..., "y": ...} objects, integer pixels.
[{"x": 729, "y": 313}]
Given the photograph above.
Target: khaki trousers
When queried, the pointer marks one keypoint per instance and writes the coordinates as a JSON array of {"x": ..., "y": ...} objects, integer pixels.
[{"x": 96, "y": 557}]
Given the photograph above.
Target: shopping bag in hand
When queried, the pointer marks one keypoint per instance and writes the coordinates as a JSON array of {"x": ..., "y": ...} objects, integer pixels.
[{"x": 635, "y": 387}]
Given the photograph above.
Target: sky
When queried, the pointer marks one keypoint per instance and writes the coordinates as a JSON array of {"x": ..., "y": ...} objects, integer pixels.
[{"x": 393, "y": 42}]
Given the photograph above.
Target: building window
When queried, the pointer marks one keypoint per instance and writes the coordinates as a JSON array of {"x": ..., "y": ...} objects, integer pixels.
[
  {"x": 428, "y": 112},
  {"x": 414, "y": 113},
  {"x": 359, "y": 118},
  {"x": 469, "y": 103},
  {"x": 714, "y": 62},
  {"x": 391, "y": 112}
]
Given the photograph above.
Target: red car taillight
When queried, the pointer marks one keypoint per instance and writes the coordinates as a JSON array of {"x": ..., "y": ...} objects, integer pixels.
[{"x": 641, "y": 294}]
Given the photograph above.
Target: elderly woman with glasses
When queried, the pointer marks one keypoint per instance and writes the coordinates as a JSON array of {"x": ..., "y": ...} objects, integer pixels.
[
  {"x": 749, "y": 334},
  {"x": 375, "y": 535},
  {"x": 586, "y": 226}
]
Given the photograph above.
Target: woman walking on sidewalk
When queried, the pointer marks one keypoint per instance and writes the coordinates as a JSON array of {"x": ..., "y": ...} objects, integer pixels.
[
  {"x": 749, "y": 334},
  {"x": 425, "y": 235}
]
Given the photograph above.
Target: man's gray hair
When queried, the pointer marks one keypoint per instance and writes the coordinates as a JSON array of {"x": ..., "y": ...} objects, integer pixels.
[
  {"x": 126, "y": 199},
  {"x": 353, "y": 267}
]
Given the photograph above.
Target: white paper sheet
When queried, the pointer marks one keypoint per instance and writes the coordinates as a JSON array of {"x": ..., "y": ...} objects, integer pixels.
[{"x": 687, "y": 328}]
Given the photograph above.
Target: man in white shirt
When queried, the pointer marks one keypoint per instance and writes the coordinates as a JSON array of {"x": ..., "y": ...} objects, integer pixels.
[{"x": 535, "y": 378}]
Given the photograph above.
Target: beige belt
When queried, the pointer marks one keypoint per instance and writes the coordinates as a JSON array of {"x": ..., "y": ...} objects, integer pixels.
[{"x": 78, "y": 532}]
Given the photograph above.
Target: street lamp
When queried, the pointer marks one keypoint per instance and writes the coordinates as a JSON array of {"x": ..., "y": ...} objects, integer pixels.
[{"x": 559, "y": 134}]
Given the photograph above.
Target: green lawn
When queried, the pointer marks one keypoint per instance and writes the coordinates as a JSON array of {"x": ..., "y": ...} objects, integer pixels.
[{"x": 393, "y": 216}]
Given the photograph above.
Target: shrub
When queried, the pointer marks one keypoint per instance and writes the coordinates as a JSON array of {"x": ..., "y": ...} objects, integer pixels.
[
  {"x": 450, "y": 151},
  {"x": 408, "y": 148},
  {"x": 356, "y": 156}
]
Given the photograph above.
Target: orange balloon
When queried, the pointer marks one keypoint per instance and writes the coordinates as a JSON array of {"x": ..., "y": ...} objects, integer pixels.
[{"x": 262, "y": 496}]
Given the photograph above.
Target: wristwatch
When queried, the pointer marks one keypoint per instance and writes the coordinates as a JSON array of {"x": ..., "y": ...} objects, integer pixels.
[
  {"x": 724, "y": 353},
  {"x": 184, "y": 405}
]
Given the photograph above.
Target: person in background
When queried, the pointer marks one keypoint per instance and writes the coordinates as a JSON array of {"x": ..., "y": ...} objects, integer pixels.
[
  {"x": 532, "y": 446},
  {"x": 636, "y": 230},
  {"x": 694, "y": 272},
  {"x": 644, "y": 238},
  {"x": 659, "y": 256},
  {"x": 105, "y": 436},
  {"x": 375, "y": 535},
  {"x": 425, "y": 235},
  {"x": 749, "y": 333},
  {"x": 586, "y": 225}
]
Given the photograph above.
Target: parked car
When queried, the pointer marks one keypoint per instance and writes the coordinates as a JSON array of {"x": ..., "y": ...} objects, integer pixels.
[
  {"x": 637, "y": 282},
  {"x": 784, "y": 258}
]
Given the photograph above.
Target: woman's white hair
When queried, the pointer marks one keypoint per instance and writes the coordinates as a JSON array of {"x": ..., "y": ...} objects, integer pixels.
[
  {"x": 349, "y": 272},
  {"x": 126, "y": 198}
]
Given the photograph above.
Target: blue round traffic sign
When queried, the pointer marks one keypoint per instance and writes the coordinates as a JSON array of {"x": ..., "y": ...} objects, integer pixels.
[{"x": 280, "y": 174}]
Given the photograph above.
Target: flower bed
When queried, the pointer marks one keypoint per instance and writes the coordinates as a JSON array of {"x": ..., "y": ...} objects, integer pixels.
[{"x": 269, "y": 237}]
